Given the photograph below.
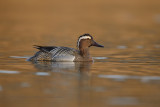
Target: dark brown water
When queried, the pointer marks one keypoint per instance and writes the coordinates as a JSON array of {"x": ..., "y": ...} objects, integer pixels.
[{"x": 125, "y": 73}]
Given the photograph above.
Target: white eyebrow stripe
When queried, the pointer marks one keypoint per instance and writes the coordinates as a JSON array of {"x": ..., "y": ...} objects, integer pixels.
[{"x": 83, "y": 37}]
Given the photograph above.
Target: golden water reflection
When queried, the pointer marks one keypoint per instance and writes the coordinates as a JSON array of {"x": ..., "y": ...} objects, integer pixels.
[{"x": 63, "y": 66}]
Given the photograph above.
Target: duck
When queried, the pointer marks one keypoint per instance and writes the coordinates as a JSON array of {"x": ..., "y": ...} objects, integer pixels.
[{"x": 61, "y": 53}]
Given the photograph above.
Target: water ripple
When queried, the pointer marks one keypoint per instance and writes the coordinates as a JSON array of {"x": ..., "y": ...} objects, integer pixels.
[
  {"x": 42, "y": 73},
  {"x": 100, "y": 58},
  {"x": 123, "y": 77},
  {"x": 9, "y": 72},
  {"x": 123, "y": 101},
  {"x": 25, "y": 57}
]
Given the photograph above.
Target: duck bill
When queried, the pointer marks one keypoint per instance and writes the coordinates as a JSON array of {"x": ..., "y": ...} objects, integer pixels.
[{"x": 96, "y": 44}]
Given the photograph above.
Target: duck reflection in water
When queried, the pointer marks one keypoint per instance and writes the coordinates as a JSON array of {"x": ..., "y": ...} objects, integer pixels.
[{"x": 62, "y": 66}]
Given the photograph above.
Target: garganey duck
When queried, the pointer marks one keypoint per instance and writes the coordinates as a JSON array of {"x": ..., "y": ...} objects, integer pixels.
[{"x": 56, "y": 53}]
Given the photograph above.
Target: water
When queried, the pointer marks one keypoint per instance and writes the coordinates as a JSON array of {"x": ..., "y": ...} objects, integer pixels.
[{"x": 125, "y": 72}]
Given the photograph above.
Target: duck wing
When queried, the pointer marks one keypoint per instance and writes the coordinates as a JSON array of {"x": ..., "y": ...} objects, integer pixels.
[
  {"x": 53, "y": 53},
  {"x": 63, "y": 54},
  {"x": 45, "y": 48}
]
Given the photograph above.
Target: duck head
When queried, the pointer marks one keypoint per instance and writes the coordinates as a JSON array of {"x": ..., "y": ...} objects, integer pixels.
[{"x": 86, "y": 41}]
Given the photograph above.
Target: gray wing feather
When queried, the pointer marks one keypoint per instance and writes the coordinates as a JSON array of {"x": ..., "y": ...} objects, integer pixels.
[
  {"x": 63, "y": 54},
  {"x": 55, "y": 54}
]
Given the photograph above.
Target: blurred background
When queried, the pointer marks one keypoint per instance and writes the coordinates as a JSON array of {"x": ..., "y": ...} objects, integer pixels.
[
  {"x": 125, "y": 72},
  {"x": 110, "y": 21}
]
